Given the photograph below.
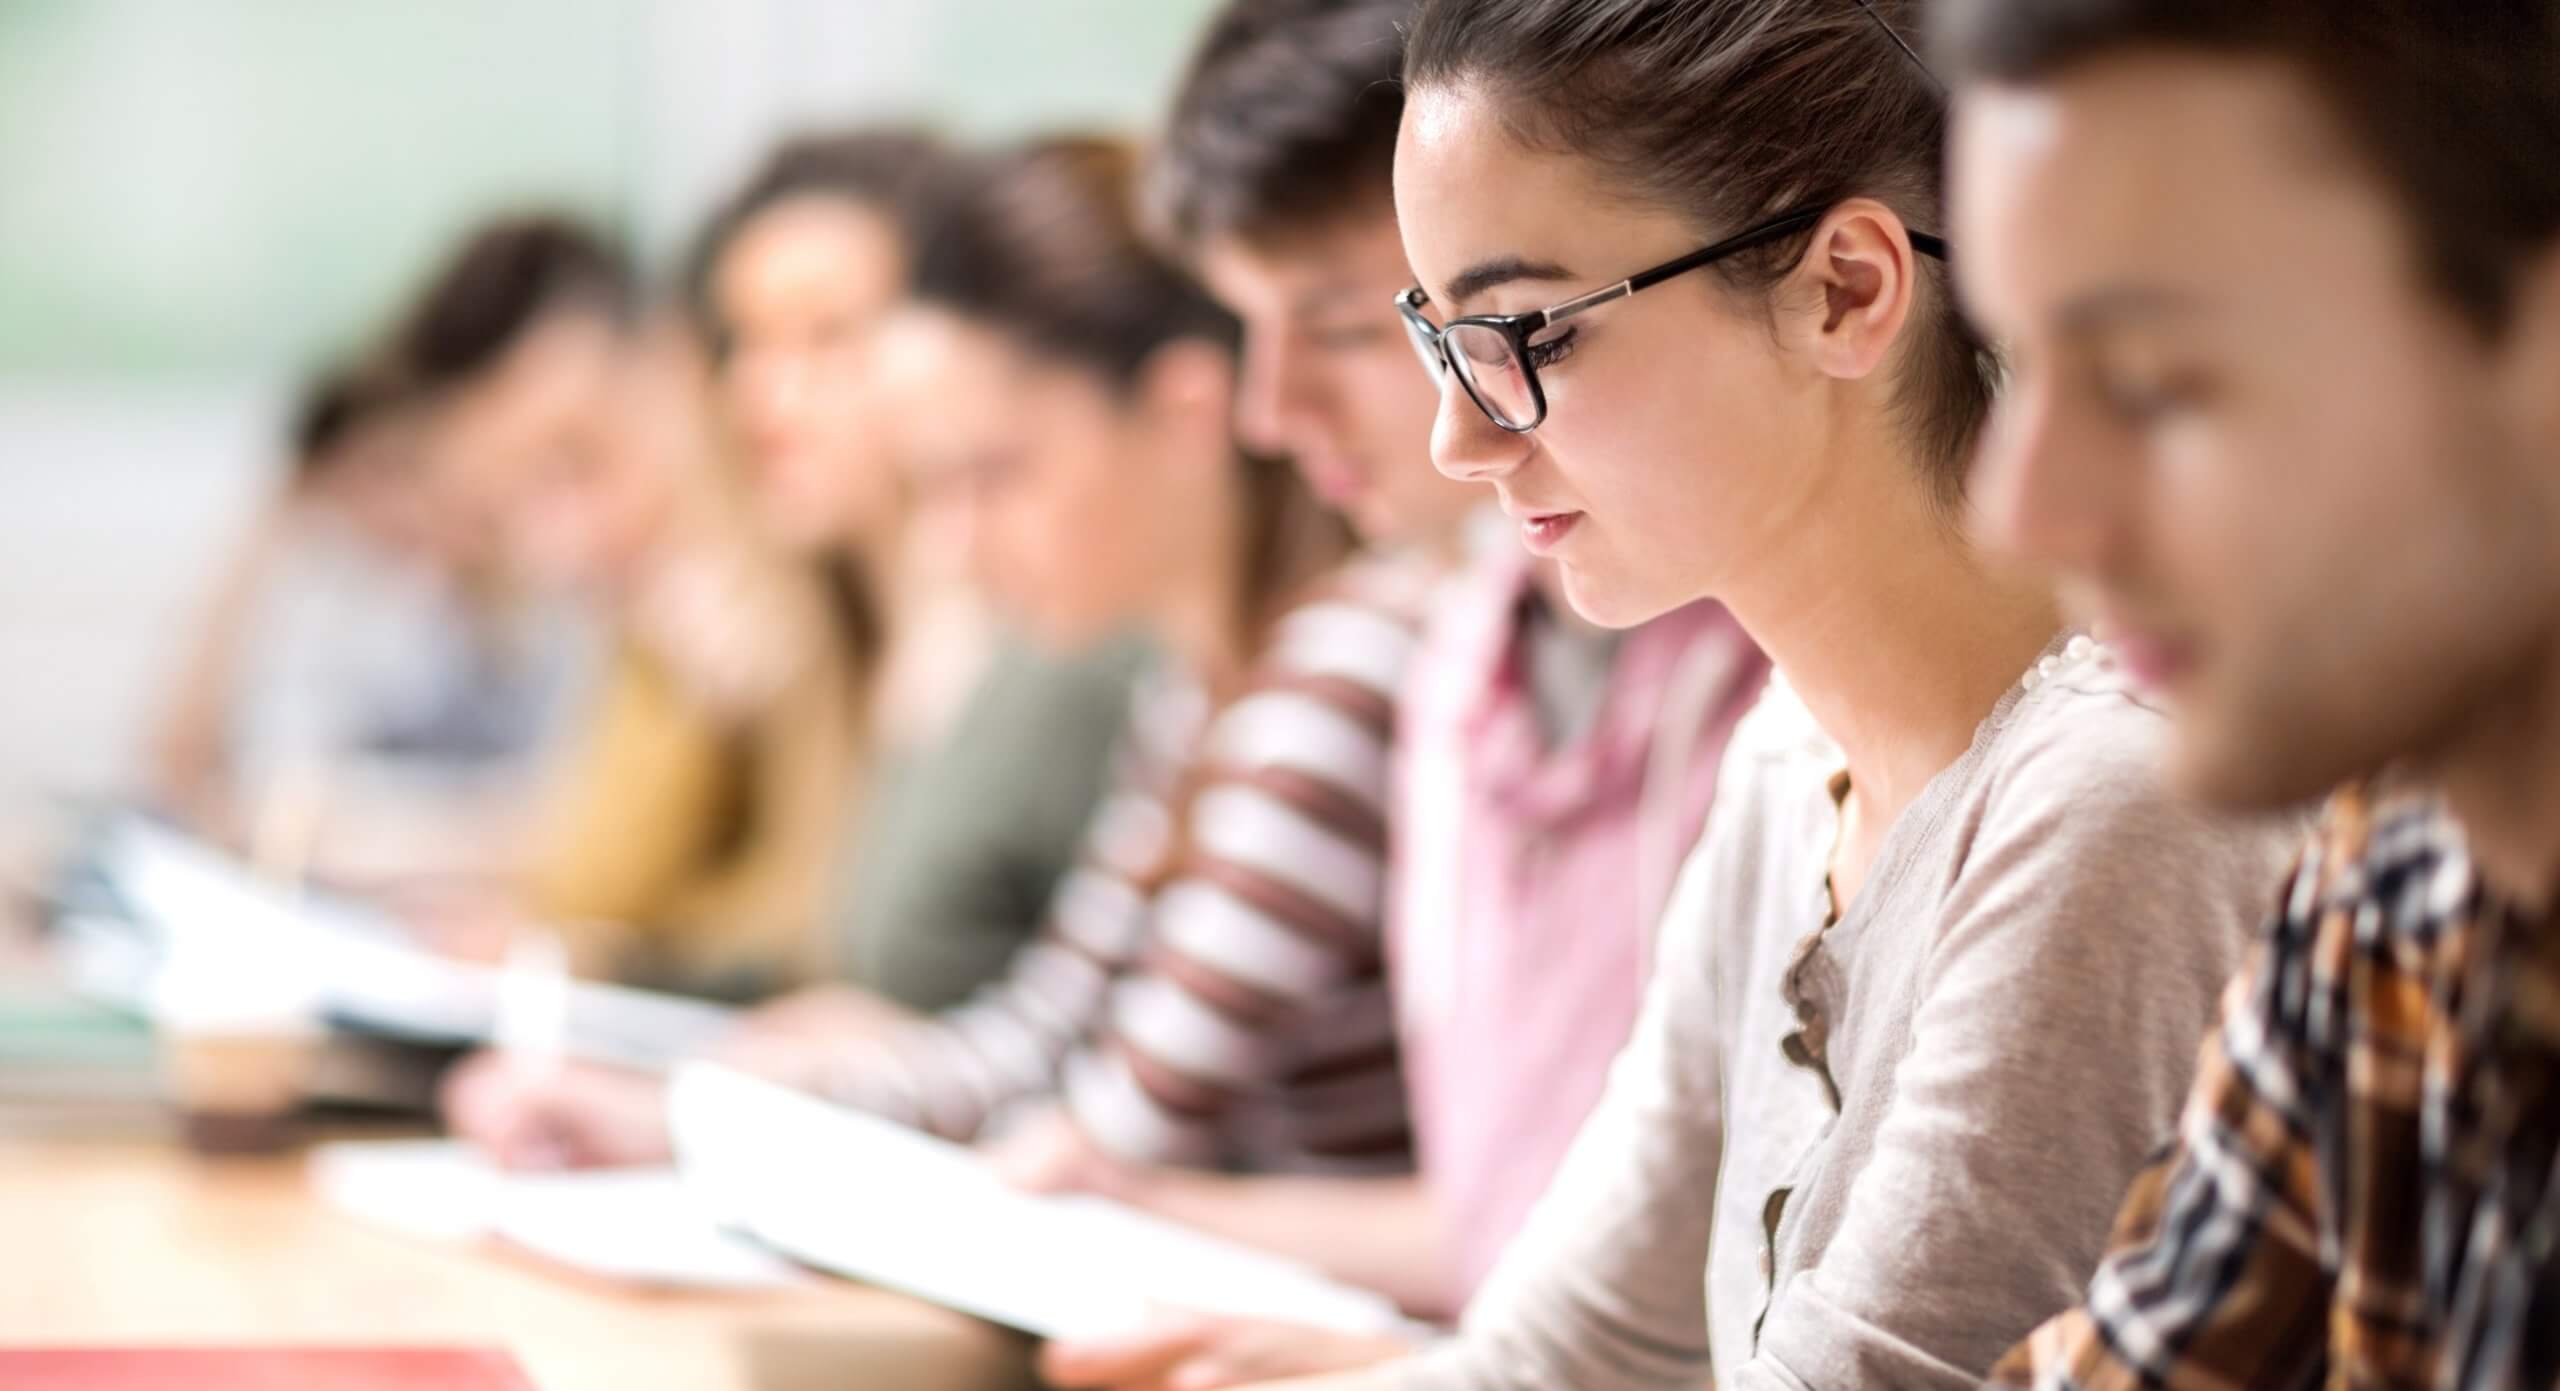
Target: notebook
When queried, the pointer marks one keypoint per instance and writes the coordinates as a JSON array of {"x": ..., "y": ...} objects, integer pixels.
[
  {"x": 260, "y": 1369},
  {"x": 858, "y": 1196}
]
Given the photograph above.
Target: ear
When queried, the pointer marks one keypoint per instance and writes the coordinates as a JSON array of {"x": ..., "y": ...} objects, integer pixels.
[
  {"x": 1856, "y": 284},
  {"x": 1187, "y": 388}
]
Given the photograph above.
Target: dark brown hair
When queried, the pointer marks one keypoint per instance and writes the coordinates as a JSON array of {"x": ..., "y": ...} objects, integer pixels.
[
  {"x": 334, "y": 406},
  {"x": 1731, "y": 112},
  {"x": 1042, "y": 244},
  {"x": 1285, "y": 119},
  {"x": 898, "y": 172},
  {"x": 2454, "y": 103},
  {"x": 505, "y": 278}
]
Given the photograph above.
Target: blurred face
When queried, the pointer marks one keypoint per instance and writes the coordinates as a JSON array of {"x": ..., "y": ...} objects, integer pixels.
[
  {"x": 1070, "y": 519},
  {"x": 1329, "y": 379},
  {"x": 378, "y": 480},
  {"x": 597, "y": 513},
  {"x": 538, "y": 408},
  {"x": 2288, "y": 482},
  {"x": 1680, "y": 437},
  {"x": 799, "y": 291}
]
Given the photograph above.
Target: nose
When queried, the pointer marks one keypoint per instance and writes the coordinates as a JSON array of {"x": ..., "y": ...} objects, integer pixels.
[
  {"x": 1466, "y": 446},
  {"x": 2049, "y": 486},
  {"x": 774, "y": 386}
]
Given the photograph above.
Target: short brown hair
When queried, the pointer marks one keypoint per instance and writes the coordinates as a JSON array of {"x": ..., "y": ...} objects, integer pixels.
[
  {"x": 1732, "y": 112},
  {"x": 2454, "y": 103},
  {"x": 1285, "y": 119}
]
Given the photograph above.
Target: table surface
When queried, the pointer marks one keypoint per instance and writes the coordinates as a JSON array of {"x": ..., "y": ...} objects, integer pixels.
[{"x": 135, "y": 1241}]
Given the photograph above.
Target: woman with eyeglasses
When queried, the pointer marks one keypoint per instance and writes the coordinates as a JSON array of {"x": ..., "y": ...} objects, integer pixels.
[{"x": 1933, "y": 982}]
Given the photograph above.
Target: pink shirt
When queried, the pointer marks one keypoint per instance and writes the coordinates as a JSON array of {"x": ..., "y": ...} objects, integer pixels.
[{"x": 1527, "y": 880}]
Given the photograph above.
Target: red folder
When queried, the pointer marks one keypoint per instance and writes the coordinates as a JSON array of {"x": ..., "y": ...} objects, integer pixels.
[{"x": 260, "y": 1369}]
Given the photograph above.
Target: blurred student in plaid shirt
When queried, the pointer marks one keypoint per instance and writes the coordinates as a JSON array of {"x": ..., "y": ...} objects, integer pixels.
[{"x": 2282, "y": 285}]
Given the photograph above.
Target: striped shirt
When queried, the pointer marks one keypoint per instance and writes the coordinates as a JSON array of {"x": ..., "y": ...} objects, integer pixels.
[
  {"x": 2365, "y": 1187},
  {"x": 1209, "y": 987}
]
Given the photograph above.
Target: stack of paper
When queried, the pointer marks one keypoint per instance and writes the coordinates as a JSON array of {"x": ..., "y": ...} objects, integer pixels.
[
  {"x": 356, "y": 966},
  {"x": 67, "y": 1066}
]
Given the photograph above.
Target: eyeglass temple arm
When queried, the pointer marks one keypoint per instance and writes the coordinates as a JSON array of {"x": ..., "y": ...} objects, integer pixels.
[
  {"x": 1927, "y": 244},
  {"x": 1646, "y": 280}
]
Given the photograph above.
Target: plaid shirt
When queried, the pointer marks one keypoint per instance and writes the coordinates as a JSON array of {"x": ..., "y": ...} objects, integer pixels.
[{"x": 2362, "y": 1192}]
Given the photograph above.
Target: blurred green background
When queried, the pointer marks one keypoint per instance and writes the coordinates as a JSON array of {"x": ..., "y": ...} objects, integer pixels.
[
  {"x": 206, "y": 187},
  {"x": 201, "y": 199}
]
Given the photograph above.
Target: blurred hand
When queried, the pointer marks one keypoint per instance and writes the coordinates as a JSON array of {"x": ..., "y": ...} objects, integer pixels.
[
  {"x": 731, "y": 634},
  {"x": 794, "y": 1040},
  {"x": 464, "y": 922},
  {"x": 1198, "y": 1352},
  {"x": 562, "y": 1116},
  {"x": 1050, "y": 1154},
  {"x": 834, "y": 1013}
]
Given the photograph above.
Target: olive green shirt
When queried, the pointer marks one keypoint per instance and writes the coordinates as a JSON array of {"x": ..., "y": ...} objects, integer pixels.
[{"x": 961, "y": 842}]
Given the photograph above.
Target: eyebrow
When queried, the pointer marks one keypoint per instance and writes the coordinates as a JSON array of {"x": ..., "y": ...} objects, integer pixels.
[
  {"x": 1501, "y": 270},
  {"x": 2106, "y": 308},
  {"x": 1330, "y": 295}
]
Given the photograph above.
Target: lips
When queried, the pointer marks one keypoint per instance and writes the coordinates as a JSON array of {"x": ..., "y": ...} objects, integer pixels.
[
  {"x": 1542, "y": 532},
  {"x": 1337, "y": 483},
  {"x": 2156, "y": 660}
]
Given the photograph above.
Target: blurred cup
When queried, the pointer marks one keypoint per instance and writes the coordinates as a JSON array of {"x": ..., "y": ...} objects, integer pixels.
[
  {"x": 237, "y": 1088},
  {"x": 235, "y": 1053}
]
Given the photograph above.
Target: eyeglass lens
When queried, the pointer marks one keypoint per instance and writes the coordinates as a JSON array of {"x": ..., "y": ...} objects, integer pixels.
[{"x": 1494, "y": 374}]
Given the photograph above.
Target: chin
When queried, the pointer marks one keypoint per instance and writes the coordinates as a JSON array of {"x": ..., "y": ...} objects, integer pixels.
[
  {"x": 1059, "y": 634},
  {"x": 1610, "y": 600},
  {"x": 1377, "y": 524},
  {"x": 2248, "y": 766},
  {"x": 795, "y": 523}
]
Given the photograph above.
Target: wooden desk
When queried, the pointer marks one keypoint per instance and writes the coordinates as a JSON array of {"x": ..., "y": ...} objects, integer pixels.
[{"x": 137, "y": 1242}]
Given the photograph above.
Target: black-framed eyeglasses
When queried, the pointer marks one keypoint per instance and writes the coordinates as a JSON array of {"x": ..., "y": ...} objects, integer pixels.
[{"x": 1496, "y": 356}]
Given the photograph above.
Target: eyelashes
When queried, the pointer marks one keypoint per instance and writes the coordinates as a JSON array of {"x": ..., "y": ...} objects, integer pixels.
[
  {"x": 2150, "y": 400},
  {"x": 1545, "y": 355}
]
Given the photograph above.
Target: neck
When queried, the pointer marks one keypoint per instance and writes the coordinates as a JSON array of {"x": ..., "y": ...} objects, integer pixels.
[
  {"x": 877, "y": 558},
  {"x": 1201, "y": 620},
  {"x": 1898, "y": 636},
  {"x": 1447, "y": 547},
  {"x": 1548, "y": 579},
  {"x": 2502, "y": 780}
]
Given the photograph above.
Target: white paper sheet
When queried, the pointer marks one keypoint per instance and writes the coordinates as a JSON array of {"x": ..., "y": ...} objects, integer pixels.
[
  {"x": 638, "y": 1226},
  {"x": 859, "y": 1196},
  {"x": 437, "y": 1190}
]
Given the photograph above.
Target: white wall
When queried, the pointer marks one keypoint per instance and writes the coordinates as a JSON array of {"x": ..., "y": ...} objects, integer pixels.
[{"x": 114, "y": 502}]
